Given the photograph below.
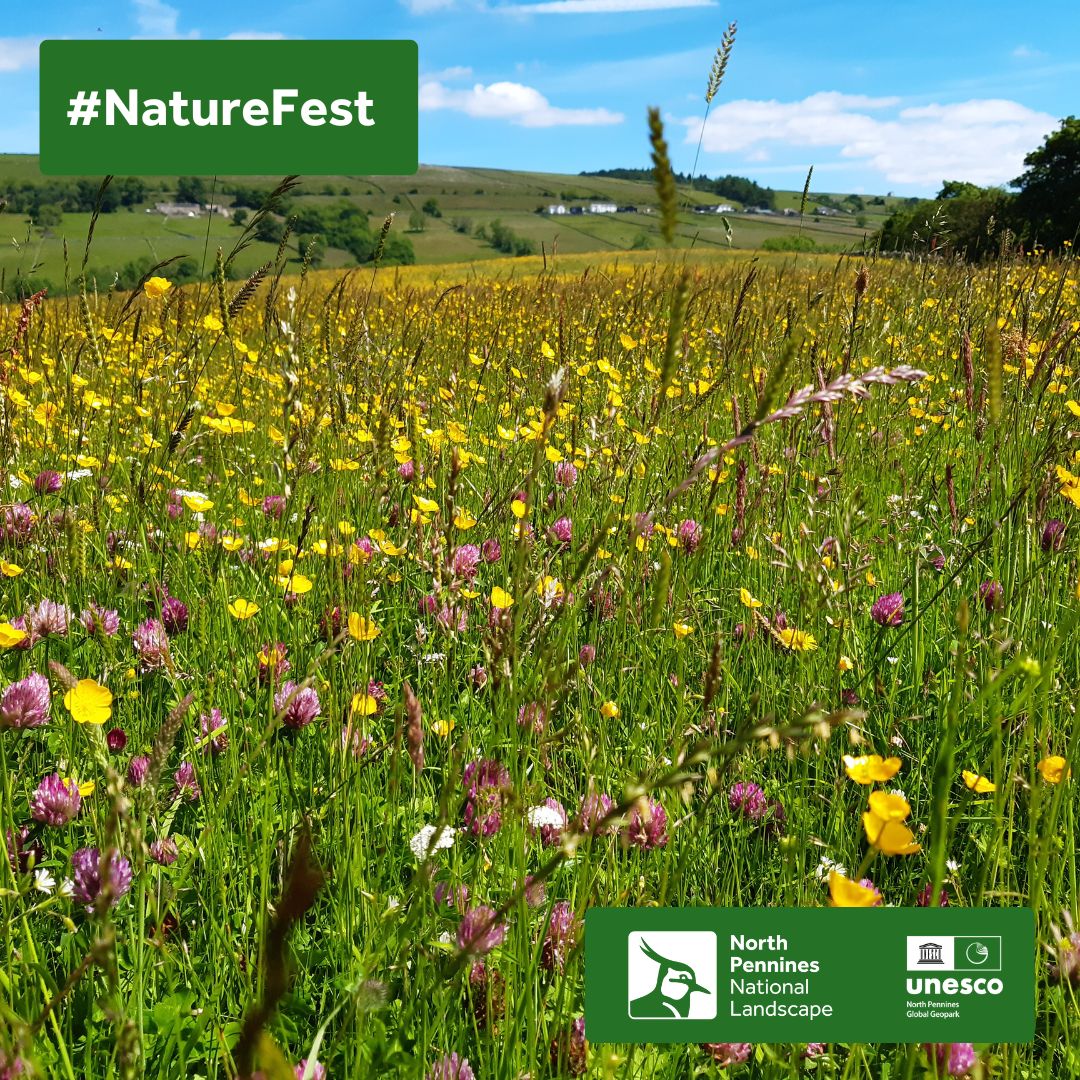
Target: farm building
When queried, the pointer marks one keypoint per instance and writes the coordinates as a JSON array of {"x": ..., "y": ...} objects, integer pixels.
[{"x": 170, "y": 209}]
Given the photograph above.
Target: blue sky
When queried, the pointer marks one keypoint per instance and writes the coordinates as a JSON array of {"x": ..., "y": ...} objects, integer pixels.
[{"x": 896, "y": 101}]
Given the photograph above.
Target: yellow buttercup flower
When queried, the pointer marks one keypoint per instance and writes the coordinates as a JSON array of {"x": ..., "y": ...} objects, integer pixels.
[
  {"x": 979, "y": 784},
  {"x": 89, "y": 702},
  {"x": 871, "y": 768},
  {"x": 295, "y": 583},
  {"x": 609, "y": 710},
  {"x": 1053, "y": 769},
  {"x": 843, "y": 892},
  {"x": 884, "y": 824},
  {"x": 682, "y": 629},
  {"x": 747, "y": 600},
  {"x": 797, "y": 640},
  {"x": 243, "y": 609},
  {"x": 156, "y": 287},
  {"x": 501, "y": 599},
  {"x": 10, "y": 636},
  {"x": 362, "y": 629},
  {"x": 364, "y": 705},
  {"x": 550, "y": 589}
]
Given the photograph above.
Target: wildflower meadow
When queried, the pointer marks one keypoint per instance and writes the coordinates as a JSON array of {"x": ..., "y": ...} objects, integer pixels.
[{"x": 360, "y": 631}]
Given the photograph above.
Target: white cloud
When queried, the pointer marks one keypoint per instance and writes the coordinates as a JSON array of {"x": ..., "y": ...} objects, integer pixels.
[
  {"x": 1026, "y": 52},
  {"x": 630, "y": 73},
  {"x": 602, "y": 7},
  {"x": 450, "y": 74},
  {"x": 555, "y": 7},
  {"x": 983, "y": 140},
  {"x": 18, "y": 53},
  {"x": 157, "y": 19},
  {"x": 521, "y": 105},
  {"x": 425, "y": 7}
]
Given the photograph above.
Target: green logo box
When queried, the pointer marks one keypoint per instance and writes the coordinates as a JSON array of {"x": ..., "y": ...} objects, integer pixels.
[
  {"x": 249, "y": 108},
  {"x": 883, "y": 975}
]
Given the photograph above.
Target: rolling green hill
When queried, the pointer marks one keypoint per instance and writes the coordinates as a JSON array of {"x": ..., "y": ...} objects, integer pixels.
[{"x": 457, "y": 229}]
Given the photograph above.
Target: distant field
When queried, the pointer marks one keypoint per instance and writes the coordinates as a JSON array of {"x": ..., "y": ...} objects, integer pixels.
[{"x": 466, "y": 198}]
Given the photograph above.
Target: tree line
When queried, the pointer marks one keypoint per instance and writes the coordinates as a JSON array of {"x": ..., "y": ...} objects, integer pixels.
[
  {"x": 1042, "y": 210},
  {"x": 737, "y": 188}
]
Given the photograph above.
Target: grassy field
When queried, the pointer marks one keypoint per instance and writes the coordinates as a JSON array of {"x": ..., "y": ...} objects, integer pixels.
[
  {"x": 466, "y": 197},
  {"x": 299, "y": 576}
]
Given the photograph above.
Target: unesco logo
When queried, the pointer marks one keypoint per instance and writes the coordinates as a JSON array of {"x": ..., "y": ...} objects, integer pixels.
[
  {"x": 954, "y": 953},
  {"x": 671, "y": 975}
]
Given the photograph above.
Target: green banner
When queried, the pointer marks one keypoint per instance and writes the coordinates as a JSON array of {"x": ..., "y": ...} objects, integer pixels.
[
  {"x": 882, "y": 975},
  {"x": 320, "y": 108}
]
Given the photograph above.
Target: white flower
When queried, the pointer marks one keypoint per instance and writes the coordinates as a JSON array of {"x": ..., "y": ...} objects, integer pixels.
[
  {"x": 431, "y": 838},
  {"x": 826, "y": 866},
  {"x": 952, "y": 865},
  {"x": 44, "y": 881},
  {"x": 78, "y": 474},
  {"x": 67, "y": 888},
  {"x": 546, "y": 816}
]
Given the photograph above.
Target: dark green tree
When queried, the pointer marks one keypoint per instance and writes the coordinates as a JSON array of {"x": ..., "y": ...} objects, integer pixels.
[
  {"x": 132, "y": 190},
  {"x": 1047, "y": 206},
  {"x": 312, "y": 248},
  {"x": 270, "y": 229},
  {"x": 47, "y": 215},
  {"x": 398, "y": 251},
  {"x": 190, "y": 189},
  {"x": 963, "y": 218}
]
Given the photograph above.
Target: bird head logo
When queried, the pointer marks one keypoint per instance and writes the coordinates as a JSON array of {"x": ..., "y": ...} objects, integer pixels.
[{"x": 676, "y": 983}]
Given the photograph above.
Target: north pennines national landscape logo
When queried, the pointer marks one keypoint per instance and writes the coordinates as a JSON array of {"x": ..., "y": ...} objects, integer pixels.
[{"x": 671, "y": 975}]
